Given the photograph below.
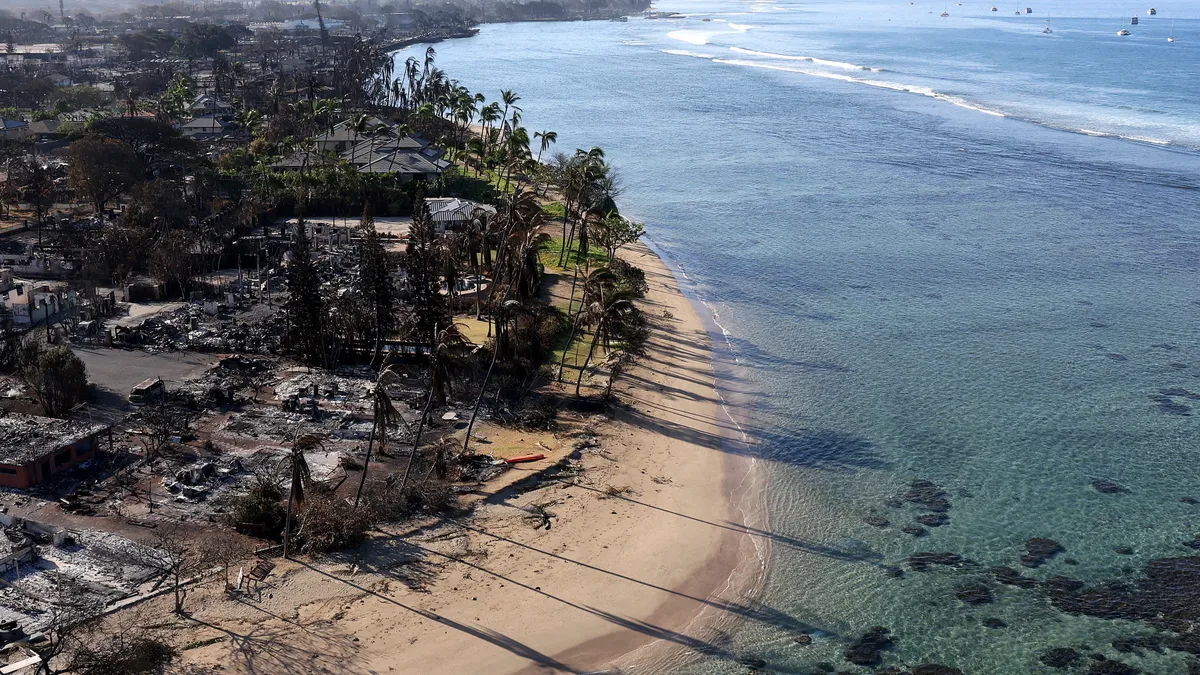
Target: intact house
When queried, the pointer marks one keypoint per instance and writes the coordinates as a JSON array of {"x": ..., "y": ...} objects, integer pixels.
[
  {"x": 452, "y": 213},
  {"x": 203, "y": 128},
  {"x": 33, "y": 449},
  {"x": 14, "y": 129},
  {"x": 207, "y": 106}
]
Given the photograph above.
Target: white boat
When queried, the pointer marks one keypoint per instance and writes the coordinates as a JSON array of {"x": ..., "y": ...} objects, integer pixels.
[
  {"x": 1047, "y": 29},
  {"x": 1171, "y": 37},
  {"x": 1123, "y": 32}
]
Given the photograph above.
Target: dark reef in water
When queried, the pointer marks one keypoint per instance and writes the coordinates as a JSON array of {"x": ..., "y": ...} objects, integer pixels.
[
  {"x": 1167, "y": 598},
  {"x": 927, "y": 494},
  {"x": 994, "y": 623},
  {"x": 1117, "y": 357},
  {"x": 922, "y": 561},
  {"x": 875, "y": 520},
  {"x": 1040, "y": 550},
  {"x": 1108, "y": 487},
  {"x": 1060, "y": 657},
  {"x": 914, "y": 530},
  {"x": 974, "y": 593},
  {"x": 866, "y": 651},
  {"x": 933, "y": 519},
  {"x": 1010, "y": 577}
]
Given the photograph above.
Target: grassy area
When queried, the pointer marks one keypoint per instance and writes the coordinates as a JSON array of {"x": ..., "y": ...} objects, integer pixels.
[
  {"x": 576, "y": 350},
  {"x": 551, "y": 249},
  {"x": 554, "y": 210}
]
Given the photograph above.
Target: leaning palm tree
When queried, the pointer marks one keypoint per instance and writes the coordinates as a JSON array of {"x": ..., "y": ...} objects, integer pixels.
[
  {"x": 385, "y": 416},
  {"x": 617, "y": 309},
  {"x": 598, "y": 284}
]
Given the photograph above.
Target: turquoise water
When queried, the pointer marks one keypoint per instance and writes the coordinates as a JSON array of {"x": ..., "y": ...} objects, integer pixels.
[{"x": 974, "y": 262}]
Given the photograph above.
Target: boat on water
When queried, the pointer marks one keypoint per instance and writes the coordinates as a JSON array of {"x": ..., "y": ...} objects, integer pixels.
[
  {"x": 1151, "y": 12},
  {"x": 1123, "y": 32},
  {"x": 623, "y": 19},
  {"x": 1171, "y": 37},
  {"x": 994, "y": 8}
]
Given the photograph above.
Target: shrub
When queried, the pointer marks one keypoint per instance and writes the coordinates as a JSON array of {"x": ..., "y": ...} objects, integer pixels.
[
  {"x": 328, "y": 523},
  {"x": 260, "y": 509}
]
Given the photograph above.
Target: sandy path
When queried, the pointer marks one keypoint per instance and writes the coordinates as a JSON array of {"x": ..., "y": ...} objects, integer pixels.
[{"x": 492, "y": 594}]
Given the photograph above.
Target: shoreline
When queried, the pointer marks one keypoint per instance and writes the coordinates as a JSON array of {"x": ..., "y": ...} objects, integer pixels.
[{"x": 648, "y": 552}]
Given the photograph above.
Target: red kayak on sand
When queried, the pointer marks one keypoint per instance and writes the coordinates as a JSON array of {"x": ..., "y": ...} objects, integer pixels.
[{"x": 525, "y": 458}]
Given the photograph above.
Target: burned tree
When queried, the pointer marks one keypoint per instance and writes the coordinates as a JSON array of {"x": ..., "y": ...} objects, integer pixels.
[
  {"x": 423, "y": 265},
  {"x": 305, "y": 307}
]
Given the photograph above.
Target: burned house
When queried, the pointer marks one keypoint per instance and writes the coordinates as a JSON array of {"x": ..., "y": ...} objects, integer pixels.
[{"x": 33, "y": 449}]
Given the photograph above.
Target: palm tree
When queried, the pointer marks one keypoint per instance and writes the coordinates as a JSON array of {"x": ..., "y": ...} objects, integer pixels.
[
  {"x": 449, "y": 344},
  {"x": 385, "y": 415},
  {"x": 510, "y": 99},
  {"x": 617, "y": 309},
  {"x": 596, "y": 287}
]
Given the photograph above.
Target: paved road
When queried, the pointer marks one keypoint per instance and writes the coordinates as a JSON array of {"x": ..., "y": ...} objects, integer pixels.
[{"x": 113, "y": 372}]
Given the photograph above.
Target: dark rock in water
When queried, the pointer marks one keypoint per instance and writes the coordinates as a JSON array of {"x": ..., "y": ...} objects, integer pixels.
[
  {"x": 1070, "y": 561},
  {"x": 1167, "y": 598},
  {"x": 914, "y": 530},
  {"x": 1171, "y": 406},
  {"x": 922, "y": 561},
  {"x": 933, "y": 519},
  {"x": 974, "y": 593},
  {"x": 1112, "y": 668},
  {"x": 935, "y": 669},
  {"x": 993, "y": 622},
  {"x": 1098, "y": 324},
  {"x": 804, "y": 640},
  {"x": 893, "y": 571},
  {"x": 1060, "y": 657},
  {"x": 1180, "y": 392},
  {"x": 1123, "y": 550},
  {"x": 1194, "y": 667},
  {"x": 1138, "y": 644},
  {"x": 1166, "y": 346},
  {"x": 1177, "y": 365},
  {"x": 1040, "y": 550},
  {"x": 1063, "y": 584},
  {"x": 964, "y": 492},
  {"x": 1011, "y": 577},
  {"x": 1184, "y": 642},
  {"x": 875, "y": 520},
  {"x": 866, "y": 651},
  {"x": 895, "y": 503},
  {"x": 891, "y": 670},
  {"x": 825, "y": 667},
  {"x": 927, "y": 494},
  {"x": 1108, "y": 487},
  {"x": 1189, "y": 500},
  {"x": 1195, "y": 543},
  {"x": 1117, "y": 357}
]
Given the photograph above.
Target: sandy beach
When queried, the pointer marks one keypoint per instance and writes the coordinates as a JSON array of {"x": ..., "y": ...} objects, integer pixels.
[{"x": 645, "y": 553}]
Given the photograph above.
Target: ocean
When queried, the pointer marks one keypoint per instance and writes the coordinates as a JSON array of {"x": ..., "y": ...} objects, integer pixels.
[{"x": 955, "y": 249}]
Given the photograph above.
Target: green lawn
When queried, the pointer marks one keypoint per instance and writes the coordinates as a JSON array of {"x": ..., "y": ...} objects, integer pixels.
[{"x": 551, "y": 249}]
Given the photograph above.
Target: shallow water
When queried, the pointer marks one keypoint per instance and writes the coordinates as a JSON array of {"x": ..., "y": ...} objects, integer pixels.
[{"x": 915, "y": 286}]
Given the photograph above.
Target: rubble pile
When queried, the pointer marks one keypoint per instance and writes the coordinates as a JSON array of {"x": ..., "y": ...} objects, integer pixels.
[{"x": 193, "y": 327}]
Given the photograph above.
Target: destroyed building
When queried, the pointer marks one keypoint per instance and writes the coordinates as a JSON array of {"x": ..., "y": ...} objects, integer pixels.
[{"x": 33, "y": 449}]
